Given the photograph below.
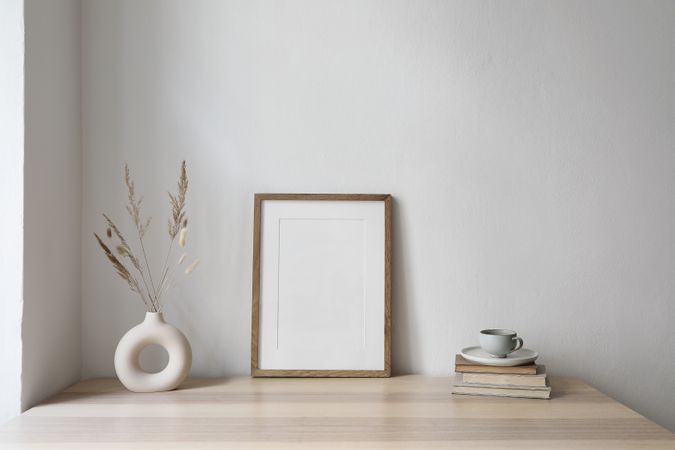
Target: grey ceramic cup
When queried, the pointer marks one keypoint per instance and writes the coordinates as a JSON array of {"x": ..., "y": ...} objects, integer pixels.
[{"x": 499, "y": 342}]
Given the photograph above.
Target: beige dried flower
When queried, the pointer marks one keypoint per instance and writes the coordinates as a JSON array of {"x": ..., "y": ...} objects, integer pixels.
[
  {"x": 177, "y": 203},
  {"x": 123, "y": 242},
  {"x": 122, "y": 271},
  {"x": 152, "y": 292},
  {"x": 192, "y": 267}
]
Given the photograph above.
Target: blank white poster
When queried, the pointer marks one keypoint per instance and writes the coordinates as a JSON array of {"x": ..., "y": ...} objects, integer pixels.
[{"x": 322, "y": 289}]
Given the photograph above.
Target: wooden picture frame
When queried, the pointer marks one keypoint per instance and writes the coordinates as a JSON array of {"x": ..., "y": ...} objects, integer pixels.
[{"x": 258, "y": 366}]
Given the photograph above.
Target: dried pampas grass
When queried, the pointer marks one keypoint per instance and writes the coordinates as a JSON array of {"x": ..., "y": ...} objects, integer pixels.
[
  {"x": 177, "y": 203},
  {"x": 121, "y": 270},
  {"x": 192, "y": 267},
  {"x": 151, "y": 293}
]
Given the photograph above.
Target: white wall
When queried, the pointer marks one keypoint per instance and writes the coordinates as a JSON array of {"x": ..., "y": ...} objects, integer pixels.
[
  {"x": 530, "y": 147},
  {"x": 53, "y": 186},
  {"x": 11, "y": 203}
]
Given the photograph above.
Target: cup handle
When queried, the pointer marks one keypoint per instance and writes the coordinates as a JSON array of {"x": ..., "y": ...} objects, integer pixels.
[{"x": 519, "y": 345}]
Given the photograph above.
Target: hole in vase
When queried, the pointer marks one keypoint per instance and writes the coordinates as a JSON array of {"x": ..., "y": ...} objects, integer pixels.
[{"x": 154, "y": 358}]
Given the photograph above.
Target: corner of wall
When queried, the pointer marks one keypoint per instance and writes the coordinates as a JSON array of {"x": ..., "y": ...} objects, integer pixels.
[{"x": 51, "y": 358}]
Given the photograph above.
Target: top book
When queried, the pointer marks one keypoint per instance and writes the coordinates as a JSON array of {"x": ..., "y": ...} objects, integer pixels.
[{"x": 464, "y": 366}]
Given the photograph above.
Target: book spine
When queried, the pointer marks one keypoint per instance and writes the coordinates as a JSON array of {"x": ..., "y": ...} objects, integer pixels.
[
  {"x": 505, "y": 379},
  {"x": 496, "y": 370},
  {"x": 467, "y": 390}
]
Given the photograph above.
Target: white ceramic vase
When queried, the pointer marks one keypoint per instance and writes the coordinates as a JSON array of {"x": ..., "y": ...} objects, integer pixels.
[{"x": 153, "y": 330}]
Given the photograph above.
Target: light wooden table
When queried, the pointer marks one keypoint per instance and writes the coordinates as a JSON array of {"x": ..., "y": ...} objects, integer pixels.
[{"x": 403, "y": 412}]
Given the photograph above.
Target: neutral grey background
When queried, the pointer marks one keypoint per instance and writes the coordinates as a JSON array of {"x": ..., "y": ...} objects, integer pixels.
[
  {"x": 52, "y": 199},
  {"x": 530, "y": 147}
]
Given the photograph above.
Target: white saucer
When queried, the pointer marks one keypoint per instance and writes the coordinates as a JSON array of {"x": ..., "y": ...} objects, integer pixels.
[{"x": 517, "y": 358}]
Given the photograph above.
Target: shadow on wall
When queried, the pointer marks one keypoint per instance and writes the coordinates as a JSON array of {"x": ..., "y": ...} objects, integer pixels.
[{"x": 403, "y": 356}]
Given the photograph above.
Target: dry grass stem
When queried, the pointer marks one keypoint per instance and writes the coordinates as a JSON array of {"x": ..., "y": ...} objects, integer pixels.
[
  {"x": 177, "y": 203},
  {"x": 134, "y": 209},
  {"x": 123, "y": 243},
  {"x": 178, "y": 217},
  {"x": 192, "y": 267},
  {"x": 121, "y": 270},
  {"x": 134, "y": 206},
  {"x": 152, "y": 294},
  {"x": 124, "y": 249}
]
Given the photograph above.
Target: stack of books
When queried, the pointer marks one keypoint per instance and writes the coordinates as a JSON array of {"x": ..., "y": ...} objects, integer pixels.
[{"x": 527, "y": 381}]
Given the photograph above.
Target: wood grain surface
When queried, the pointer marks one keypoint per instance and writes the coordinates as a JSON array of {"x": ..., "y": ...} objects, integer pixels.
[{"x": 395, "y": 413}]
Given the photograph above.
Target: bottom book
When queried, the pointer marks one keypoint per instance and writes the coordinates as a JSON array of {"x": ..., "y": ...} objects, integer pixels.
[{"x": 539, "y": 392}]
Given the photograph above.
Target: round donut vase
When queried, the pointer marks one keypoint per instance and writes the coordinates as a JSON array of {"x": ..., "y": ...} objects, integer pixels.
[{"x": 153, "y": 330}]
